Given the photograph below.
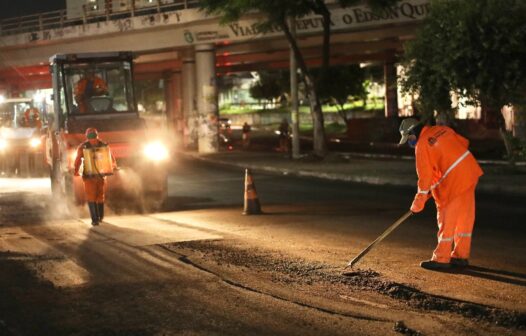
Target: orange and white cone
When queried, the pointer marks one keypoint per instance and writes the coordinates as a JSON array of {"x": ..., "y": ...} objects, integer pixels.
[{"x": 252, "y": 206}]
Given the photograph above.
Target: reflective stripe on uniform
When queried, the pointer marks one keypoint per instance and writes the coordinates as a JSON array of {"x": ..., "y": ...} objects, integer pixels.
[
  {"x": 445, "y": 240},
  {"x": 456, "y": 163},
  {"x": 463, "y": 235}
]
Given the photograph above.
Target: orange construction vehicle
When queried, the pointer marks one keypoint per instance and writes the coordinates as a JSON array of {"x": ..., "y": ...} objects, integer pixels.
[
  {"x": 142, "y": 158},
  {"x": 21, "y": 149}
]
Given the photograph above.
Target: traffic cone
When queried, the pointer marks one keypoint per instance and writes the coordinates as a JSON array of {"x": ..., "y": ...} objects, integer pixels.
[{"x": 252, "y": 206}]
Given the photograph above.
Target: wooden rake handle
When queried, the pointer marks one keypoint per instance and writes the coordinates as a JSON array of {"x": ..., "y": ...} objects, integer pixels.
[{"x": 380, "y": 238}]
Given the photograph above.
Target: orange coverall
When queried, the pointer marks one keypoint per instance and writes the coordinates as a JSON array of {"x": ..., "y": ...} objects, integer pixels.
[
  {"x": 93, "y": 185},
  {"x": 87, "y": 88},
  {"x": 449, "y": 172}
]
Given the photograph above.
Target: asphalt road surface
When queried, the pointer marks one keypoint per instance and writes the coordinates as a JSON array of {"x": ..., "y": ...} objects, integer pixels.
[{"x": 199, "y": 267}]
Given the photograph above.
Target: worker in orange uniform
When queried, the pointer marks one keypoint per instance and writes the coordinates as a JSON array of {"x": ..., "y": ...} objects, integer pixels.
[
  {"x": 94, "y": 186},
  {"x": 89, "y": 86},
  {"x": 449, "y": 173}
]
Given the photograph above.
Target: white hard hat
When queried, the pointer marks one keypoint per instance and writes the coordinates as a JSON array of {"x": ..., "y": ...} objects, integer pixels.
[{"x": 406, "y": 127}]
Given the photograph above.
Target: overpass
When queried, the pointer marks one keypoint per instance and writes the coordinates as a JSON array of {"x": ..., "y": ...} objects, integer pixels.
[{"x": 178, "y": 42}]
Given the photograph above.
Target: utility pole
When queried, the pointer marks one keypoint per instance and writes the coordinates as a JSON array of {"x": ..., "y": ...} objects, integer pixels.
[{"x": 295, "y": 115}]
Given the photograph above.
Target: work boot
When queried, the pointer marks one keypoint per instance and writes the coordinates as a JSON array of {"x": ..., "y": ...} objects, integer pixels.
[
  {"x": 434, "y": 265},
  {"x": 93, "y": 213},
  {"x": 457, "y": 262},
  {"x": 100, "y": 211}
]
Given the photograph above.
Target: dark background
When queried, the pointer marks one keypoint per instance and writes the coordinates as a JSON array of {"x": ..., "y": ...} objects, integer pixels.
[{"x": 15, "y": 8}]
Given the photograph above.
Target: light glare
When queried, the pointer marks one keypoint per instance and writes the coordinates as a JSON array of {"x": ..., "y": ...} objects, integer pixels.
[
  {"x": 34, "y": 143},
  {"x": 156, "y": 151},
  {"x": 39, "y": 97}
]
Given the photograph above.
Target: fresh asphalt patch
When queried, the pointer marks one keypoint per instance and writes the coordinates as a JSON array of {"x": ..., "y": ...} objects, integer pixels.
[{"x": 285, "y": 270}]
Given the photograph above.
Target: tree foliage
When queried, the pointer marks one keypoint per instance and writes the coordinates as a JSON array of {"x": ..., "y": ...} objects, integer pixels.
[
  {"x": 476, "y": 48},
  {"x": 342, "y": 83},
  {"x": 277, "y": 12},
  {"x": 267, "y": 87}
]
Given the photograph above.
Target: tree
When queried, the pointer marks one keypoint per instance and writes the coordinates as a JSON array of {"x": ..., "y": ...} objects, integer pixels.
[
  {"x": 267, "y": 87},
  {"x": 343, "y": 82},
  {"x": 476, "y": 48},
  {"x": 277, "y": 12}
]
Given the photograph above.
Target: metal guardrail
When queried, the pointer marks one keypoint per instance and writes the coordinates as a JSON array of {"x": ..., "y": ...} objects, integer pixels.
[{"x": 59, "y": 19}]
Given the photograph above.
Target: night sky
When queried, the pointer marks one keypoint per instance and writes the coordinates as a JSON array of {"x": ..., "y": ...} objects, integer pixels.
[{"x": 14, "y": 8}]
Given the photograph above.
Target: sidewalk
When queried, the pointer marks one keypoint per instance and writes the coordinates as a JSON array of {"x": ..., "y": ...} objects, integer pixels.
[{"x": 374, "y": 169}]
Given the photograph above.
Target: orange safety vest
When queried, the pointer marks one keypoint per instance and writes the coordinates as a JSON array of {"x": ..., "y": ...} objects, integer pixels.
[{"x": 444, "y": 165}]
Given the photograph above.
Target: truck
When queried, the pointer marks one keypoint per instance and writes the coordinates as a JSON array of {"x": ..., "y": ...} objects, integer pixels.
[
  {"x": 21, "y": 145},
  {"x": 142, "y": 158}
]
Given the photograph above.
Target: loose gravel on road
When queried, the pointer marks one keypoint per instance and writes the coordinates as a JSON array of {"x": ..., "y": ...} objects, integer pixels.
[{"x": 287, "y": 271}]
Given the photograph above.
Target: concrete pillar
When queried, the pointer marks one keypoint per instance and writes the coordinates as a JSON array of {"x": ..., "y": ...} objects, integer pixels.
[
  {"x": 391, "y": 89},
  {"x": 168, "y": 96},
  {"x": 189, "y": 101},
  {"x": 178, "y": 117},
  {"x": 174, "y": 115},
  {"x": 207, "y": 106}
]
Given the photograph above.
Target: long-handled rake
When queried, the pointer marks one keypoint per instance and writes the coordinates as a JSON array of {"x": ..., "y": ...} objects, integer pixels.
[{"x": 379, "y": 239}]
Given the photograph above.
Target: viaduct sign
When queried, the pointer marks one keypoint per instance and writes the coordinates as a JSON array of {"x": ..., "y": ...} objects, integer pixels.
[
  {"x": 342, "y": 19},
  {"x": 192, "y": 26}
]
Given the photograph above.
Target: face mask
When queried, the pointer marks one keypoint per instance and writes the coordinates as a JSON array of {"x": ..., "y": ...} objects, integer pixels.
[{"x": 412, "y": 142}]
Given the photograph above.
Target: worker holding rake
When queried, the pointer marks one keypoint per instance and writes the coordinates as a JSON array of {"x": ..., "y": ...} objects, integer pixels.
[{"x": 449, "y": 173}]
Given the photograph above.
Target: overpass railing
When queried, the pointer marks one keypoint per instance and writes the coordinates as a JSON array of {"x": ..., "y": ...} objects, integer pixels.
[{"x": 94, "y": 11}]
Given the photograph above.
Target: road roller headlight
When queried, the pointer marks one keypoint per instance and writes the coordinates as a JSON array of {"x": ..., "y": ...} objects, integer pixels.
[
  {"x": 34, "y": 143},
  {"x": 156, "y": 151},
  {"x": 3, "y": 144},
  {"x": 72, "y": 156}
]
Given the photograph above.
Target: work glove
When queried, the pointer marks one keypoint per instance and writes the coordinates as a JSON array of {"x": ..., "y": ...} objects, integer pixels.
[{"x": 419, "y": 202}]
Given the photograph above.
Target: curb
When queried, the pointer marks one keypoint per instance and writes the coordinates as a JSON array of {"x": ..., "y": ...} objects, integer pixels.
[
  {"x": 374, "y": 180},
  {"x": 515, "y": 190},
  {"x": 407, "y": 157}
]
